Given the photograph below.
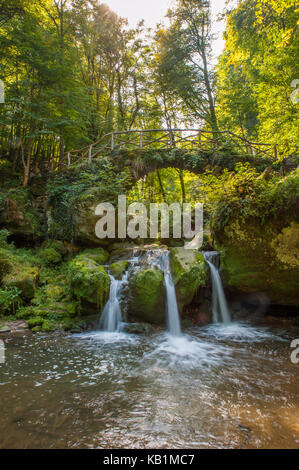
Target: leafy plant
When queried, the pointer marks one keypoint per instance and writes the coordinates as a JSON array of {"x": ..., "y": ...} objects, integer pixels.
[{"x": 9, "y": 300}]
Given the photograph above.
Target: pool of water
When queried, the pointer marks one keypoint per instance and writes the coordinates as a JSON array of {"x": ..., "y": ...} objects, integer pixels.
[{"x": 219, "y": 386}]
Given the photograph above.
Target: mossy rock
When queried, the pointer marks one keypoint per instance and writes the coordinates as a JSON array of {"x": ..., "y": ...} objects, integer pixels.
[
  {"x": 261, "y": 259},
  {"x": 50, "y": 256},
  {"x": 147, "y": 295},
  {"x": 99, "y": 255},
  {"x": 25, "y": 278},
  {"x": 189, "y": 272},
  {"x": 52, "y": 315},
  {"x": 89, "y": 281},
  {"x": 56, "y": 245},
  {"x": 119, "y": 269}
]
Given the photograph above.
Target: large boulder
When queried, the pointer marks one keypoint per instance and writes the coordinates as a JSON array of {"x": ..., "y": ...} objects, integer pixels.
[
  {"x": 257, "y": 258},
  {"x": 147, "y": 298},
  {"x": 89, "y": 281},
  {"x": 189, "y": 272}
]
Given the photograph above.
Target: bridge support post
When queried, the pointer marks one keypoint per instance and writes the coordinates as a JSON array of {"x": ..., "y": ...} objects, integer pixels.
[
  {"x": 89, "y": 154},
  {"x": 68, "y": 159},
  {"x": 141, "y": 140},
  {"x": 170, "y": 138},
  {"x": 199, "y": 139}
]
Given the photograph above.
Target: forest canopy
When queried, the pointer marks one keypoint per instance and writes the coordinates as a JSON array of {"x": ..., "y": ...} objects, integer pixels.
[{"x": 73, "y": 71}]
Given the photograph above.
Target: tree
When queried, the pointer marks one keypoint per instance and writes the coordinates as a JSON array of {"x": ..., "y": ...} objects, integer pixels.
[
  {"x": 256, "y": 71},
  {"x": 183, "y": 61}
]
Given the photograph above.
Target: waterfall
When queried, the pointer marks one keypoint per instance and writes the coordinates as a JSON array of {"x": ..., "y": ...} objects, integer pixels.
[
  {"x": 219, "y": 305},
  {"x": 111, "y": 318},
  {"x": 174, "y": 325}
]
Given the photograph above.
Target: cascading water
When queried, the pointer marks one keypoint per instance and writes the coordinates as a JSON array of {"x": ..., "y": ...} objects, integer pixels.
[
  {"x": 219, "y": 305},
  {"x": 111, "y": 318},
  {"x": 174, "y": 325}
]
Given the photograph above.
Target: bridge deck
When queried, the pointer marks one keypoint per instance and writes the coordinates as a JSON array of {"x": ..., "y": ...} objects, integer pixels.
[{"x": 168, "y": 139}]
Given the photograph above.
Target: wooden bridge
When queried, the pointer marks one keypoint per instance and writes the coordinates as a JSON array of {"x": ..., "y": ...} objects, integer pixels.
[{"x": 168, "y": 139}]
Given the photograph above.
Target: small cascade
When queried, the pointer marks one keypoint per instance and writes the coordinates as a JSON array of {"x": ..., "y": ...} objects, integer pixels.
[
  {"x": 219, "y": 305},
  {"x": 111, "y": 318},
  {"x": 174, "y": 324}
]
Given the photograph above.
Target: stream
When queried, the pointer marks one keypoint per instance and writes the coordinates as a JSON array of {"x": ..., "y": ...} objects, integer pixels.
[{"x": 219, "y": 386}]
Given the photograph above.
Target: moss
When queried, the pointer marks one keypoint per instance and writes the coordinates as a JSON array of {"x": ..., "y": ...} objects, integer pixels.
[
  {"x": 118, "y": 269},
  {"x": 25, "y": 278},
  {"x": 55, "y": 245},
  {"x": 189, "y": 272},
  {"x": 50, "y": 256},
  {"x": 99, "y": 255},
  {"x": 89, "y": 281},
  {"x": 54, "y": 292},
  {"x": 7, "y": 261},
  {"x": 148, "y": 296},
  {"x": 51, "y": 315},
  {"x": 257, "y": 260}
]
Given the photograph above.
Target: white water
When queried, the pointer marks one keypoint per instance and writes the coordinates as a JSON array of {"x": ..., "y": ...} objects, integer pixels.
[
  {"x": 111, "y": 318},
  {"x": 173, "y": 317},
  {"x": 219, "y": 305}
]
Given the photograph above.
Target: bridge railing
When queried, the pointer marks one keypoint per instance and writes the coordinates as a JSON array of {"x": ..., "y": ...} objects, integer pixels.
[{"x": 166, "y": 139}]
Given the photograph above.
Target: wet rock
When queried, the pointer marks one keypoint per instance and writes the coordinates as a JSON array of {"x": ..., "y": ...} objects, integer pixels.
[
  {"x": 204, "y": 315},
  {"x": 139, "y": 329},
  {"x": 4, "y": 328}
]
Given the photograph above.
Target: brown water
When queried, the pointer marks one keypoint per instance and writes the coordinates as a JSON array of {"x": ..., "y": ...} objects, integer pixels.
[{"x": 216, "y": 387}]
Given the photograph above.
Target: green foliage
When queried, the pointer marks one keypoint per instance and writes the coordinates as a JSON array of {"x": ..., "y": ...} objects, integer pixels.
[
  {"x": 256, "y": 72},
  {"x": 247, "y": 194},
  {"x": 50, "y": 256},
  {"x": 3, "y": 238},
  {"x": 67, "y": 191},
  {"x": 10, "y": 300}
]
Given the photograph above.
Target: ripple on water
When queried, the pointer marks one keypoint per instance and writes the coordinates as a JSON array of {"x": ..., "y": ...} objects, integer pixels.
[
  {"x": 217, "y": 386},
  {"x": 241, "y": 333},
  {"x": 185, "y": 352}
]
